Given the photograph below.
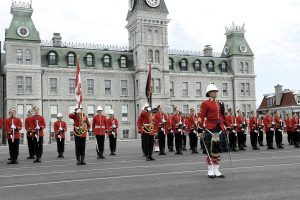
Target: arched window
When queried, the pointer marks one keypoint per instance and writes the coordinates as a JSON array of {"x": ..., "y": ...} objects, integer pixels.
[
  {"x": 52, "y": 58},
  {"x": 150, "y": 56},
  {"x": 171, "y": 63},
  {"x": 123, "y": 62},
  {"x": 149, "y": 36},
  {"x": 156, "y": 37},
  {"x": 89, "y": 60},
  {"x": 28, "y": 57},
  {"x": 246, "y": 68},
  {"x": 223, "y": 67},
  {"x": 71, "y": 59},
  {"x": 184, "y": 64},
  {"x": 210, "y": 66},
  {"x": 157, "y": 60},
  {"x": 19, "y": 56},
  {"x": 197, "y": 65},
  {"x": 107, "y": 60},
  {"x": 241, "y": 68}
]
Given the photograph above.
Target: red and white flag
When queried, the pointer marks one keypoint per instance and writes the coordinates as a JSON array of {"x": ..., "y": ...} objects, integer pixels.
[{"x": 78, "y": 90}]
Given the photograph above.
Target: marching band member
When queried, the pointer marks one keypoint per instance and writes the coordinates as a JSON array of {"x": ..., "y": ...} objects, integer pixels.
[
  {"x": 231, "y": 127},
  {"x": 38, "y": 125},
  {"x": 253, "y": 125},
  {"x": 60, "y": 128},
  {"x": 213, "y": 127},
  {"x": 146, "y": 126},
  {"x": 112, "y": 126},
  {"x": 177, "y": 125},
  {"x": 269, "y": 129},
  {"x": 260, "y": 130},
  {"x": 81, "y": 126},
  {"x": 184, "y": 131},
  {"x": 13, "y": 125},
  {"x": 99, "y": 129},
  {"x": 240, "y": 129},
  {"x": 170, "y": 134},
  {"x": 287, "y": 122},
  {"x": 192, "y": 130},
  {"x": 278, "y": 130},
  {"x": 295, "y": 129},
  {"x": 29, "y": 135},
  {"x": 160, "y": 121}
]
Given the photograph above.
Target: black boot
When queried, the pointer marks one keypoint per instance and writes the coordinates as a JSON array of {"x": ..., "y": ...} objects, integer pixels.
[
  {"x": 101, "y": 155},
  {"x": 78, "y": 160},
  {"x": 82, "y": 160}
]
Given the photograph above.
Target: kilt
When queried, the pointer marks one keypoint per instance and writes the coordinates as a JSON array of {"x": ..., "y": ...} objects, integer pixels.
[{"x": 216, "y": 144}]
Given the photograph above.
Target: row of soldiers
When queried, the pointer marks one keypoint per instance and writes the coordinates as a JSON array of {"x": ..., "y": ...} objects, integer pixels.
[{"x": 35, "y": 125}]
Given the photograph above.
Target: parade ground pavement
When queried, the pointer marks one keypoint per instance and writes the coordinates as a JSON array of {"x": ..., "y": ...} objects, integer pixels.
[{"x": 263, "y": 174}]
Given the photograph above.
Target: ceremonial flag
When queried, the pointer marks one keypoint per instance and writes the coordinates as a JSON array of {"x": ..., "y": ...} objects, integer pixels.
[
  {"x": 149, "y": 87},
  {"x": 78, "y": 90}
]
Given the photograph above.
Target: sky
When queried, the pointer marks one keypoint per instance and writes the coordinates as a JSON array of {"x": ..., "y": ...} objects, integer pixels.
[{"x": 273, "y": 29}]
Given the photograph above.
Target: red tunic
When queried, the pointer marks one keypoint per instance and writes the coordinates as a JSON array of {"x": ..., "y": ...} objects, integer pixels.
[
  {"x": 77, "y": 123},
  {"x": 230, "y": 120},
  {"x": 158, "y": 117},
  {"x": 191, "y": 123},
  {"x": 277, "y": 121},
  {"x": 287, "y": 122},
  {"x": 145, "y": 119},
  {"x": 40, "y": 120},
  {"x": 252, "y": 124},
  {"x": 294, "y": 124},
  {"x": 28, "y": 126},
  {"x": 169, "y": 126},
  {"x": 239, "y": 122},
  {"x": 99, "y": 125},
  {"x": 267, "y": 122},
  {"x": 1, "y": 121},
  {"x": 175, "y": 119},
  {"x": 210, "y": 109},
  {"x": 57, "y": 125},
  {"x": 8, "y": 130},
  {"x": 109, "y": 125}
]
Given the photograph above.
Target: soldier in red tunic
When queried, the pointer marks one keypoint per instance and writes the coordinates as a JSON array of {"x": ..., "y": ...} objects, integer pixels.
[
  {"x": 38, "y": 125},
  {"x": 160, "y": 121},
  {"x": 29, "y": 135},
  {"x": 81, "y": 126},
  {"x": 13, "y": 125},
  {"x": 295, "y": 129},
  {"x": 60, "y": 128},
  {"x": 177, "y": 125},
  {"x": 99, "y": 129},
  {"x": 146, "y": 127},
  {"x": 192, "y": 125},
  {"x": 278, "y": 129},
  {"x": 170, "y": 134},
  {"x": 213, "y": 127},
  {"x": 231, "y": 127},
  {"x": 269, "y": 129},
  {"x": 253, "y": 125},
  {"x": 112, "y": 126},
  {"x": 287, "y": 122}
]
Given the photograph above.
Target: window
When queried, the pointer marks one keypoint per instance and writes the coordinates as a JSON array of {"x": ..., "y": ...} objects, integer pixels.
[
  {"x": 157, "y": 60},
  {"x": 90, "y": 112},
  {"x": 171, "y": 88},
  {"x": 28, "y": 85},
  {"x": 124, "y": 113},
  {"x": 124, "y": 88},
  {"x": 242, "y": 89},
  {"x": 52, "y": 58},
  {"x": 150, "y": 56},
  {"x": 53, "y": 113},
  {"x": 197, "y": 65},
  {"x": 223, "y": 67},
  {"x": 107, "y": 84},
  {"x": 171, "y": 63},
  {"x": 225, "y": 89},
  {"x": 107, "y": 108},
  {"x": 71, "y": 59},
  {"x": 198, "y": 89},
  {"x": 183, "y": 65},
  {"x": 90, "y": 87},
  {"x": 185, "y": 89},
  {"x": 246, "y": 68},
  {"x": 149, "y": 36},
  {"x": 20, "y": 84},
  {"x": 28, "y": 57},
  {"x": 106, "y": 61},
  {"x": 53, "y": 85},
  {"x": 71, "y": 110},
  {"x": 247, "y": 89},
  {"x": 71, "y": 86},
  {"x": 210, "y": 66},
  {"x": 137, "y": 87},
  {"x": 123, "y": 62},
  {"x": 19, "y": 55},
  {"x": 185, "y": 109},
  {"x": 157, "y": 86},
  {"x": 89, "y": 59},
  {"x": 20, "y": 112},
  {"x": 28, "y": 107},
  {"x": 249, "y": 110},
  {"x": 241, "y": 68},
  {"x": 125, "y": 134},
  {"x": 270, "y": 101}
]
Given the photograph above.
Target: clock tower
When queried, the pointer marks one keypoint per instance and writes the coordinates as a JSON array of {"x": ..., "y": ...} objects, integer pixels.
[{"x": 148, "y": 40}]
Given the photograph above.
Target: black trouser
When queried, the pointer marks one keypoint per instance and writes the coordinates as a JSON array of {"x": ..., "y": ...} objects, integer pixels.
[
  {"x": 289, "y": 137},
  {"x": 183, "y": 136},
  {"x": 13, "y": 149},
  {"x": 30, "y": 146},
  {"x": 161, "y": 141},
  {"x": 38, "y": 146},
  {"x": 178, "y": 142},
  {"x": 170, "y": 141},
  {"x": 148, "y": 145},
  {"x": 253, "y": 139},
  {"x": 100, "y": 143},
  {"x": 232, "y": 140},
  {"x": 296, "y": 138},
  {"x": 79, "y": 147},
  {"x": 143, "y": 143},
  {"x": 240, "y": 137},
  {"x": 112, "y": 143},
  {"x": 60, "y": 145},
  {"x": 244, "y": 138},
  {"x": 260, "y": 137},
  {"x": 278, "y": 137},
  {"x": 193, "y": 141},
  {"x": 270, "y": 138}
]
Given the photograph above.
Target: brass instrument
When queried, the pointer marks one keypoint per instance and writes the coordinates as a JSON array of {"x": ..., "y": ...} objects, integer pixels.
[{"x": 82, "y": 128}]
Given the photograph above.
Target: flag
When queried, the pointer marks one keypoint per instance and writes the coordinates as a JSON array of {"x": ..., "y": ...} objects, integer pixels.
[
  {"x": 149, "y": 87},
  {"x": 78, "y": 90}
]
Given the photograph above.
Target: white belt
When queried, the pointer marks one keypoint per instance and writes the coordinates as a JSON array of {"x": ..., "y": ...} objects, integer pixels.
[
  {"x": 99, "y": 126},
  {"x": 146, "y": 124}
]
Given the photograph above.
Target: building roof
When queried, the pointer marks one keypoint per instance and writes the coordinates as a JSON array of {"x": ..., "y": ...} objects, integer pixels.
[{"x": 287, "y": 100}]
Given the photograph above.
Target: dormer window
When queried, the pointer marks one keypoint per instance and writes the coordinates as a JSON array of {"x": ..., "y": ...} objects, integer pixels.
[
  {"x": 197, "y": 65},
  {"x": 71, "y": 59},
  {"x": 89, "y": 60},
  {"x": 52, "y": 58},
  {"x": 223, "y": 67},
  {"x": 123, "y": 62},
  {"x": 210, "y": 66},
  {"x": 107, "y": 60},
  {"x": 171, "y": 64},
  {"x": 298, "y": 99},
  {"x": 184, "y": 65}
]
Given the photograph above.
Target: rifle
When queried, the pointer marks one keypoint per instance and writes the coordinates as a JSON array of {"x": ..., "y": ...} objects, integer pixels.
[
  {"x": 13, "y": 127},
  {"x": 36, "y": 131},
  {"x": 163, "y": 121},
  {"x": 113, "y": 127},
  {"x": 60, "y": 130}
]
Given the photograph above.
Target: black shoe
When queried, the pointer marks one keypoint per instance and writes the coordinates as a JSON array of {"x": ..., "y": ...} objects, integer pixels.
[
  {"x": 15, "y": 162},
  {"x": 78, "y": 162},
  {"x": 147, "y": 159},
  {"x": 255, "y": 148},
  {"x": 270, "y": 148},
  {"x": 243, "y": 149},
  {"x": 30, "y": 157},
  {"x": 195, "y": 152},
  {"x": 10, "y": 162},
  {"x": 184, "y": 149},
  {"x": 280, "y": 147},
  {"x": 234, "y": 149},
  {"x": 37, "y": 160},
  {"x": 245, "y": 146},
  {"x": 111, "y": 154},
  {"x": 151, "y": 158},
  {"x": 211, "y": 176},
  {"x": 221, "y": 176},
  {"x": 9, "y": 158},
  {"x": 82, "y": 161},
  {"x": 261, "y": 145}
]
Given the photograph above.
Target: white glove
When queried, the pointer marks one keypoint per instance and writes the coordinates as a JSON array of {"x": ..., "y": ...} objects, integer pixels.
[
  {"x": 272, "y": 129},
  {"x": 114, "y": 126},
  {"x": 60, "y": 128},
  {"x": 162, "y": 129},
  {"x": 13, "y": 126},
  {"x": 194, "y": 132},
  {"x": 179, "y": 130}
]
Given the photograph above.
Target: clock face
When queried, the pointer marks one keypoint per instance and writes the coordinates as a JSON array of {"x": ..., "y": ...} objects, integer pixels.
[
  {"x": 243, "y": 48},
  {"x": 131, "y": 5},
  {"x": 226, "y": 50},
  {"x": 23, "y": 31},
  {"x": 153, "y": 3}
]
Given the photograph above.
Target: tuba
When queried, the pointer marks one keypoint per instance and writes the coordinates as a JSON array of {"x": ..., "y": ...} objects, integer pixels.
[{"x": 82, "y": 125}]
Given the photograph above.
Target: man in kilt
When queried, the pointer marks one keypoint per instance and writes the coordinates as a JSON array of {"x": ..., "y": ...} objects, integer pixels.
[{"x": 215, "y": 140}]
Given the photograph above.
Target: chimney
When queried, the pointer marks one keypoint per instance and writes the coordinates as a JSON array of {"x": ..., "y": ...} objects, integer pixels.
[
  {"x": 56, "y": 40},
  {"x": 207, "y": 51},
  {"x": 278, "y": 94}
]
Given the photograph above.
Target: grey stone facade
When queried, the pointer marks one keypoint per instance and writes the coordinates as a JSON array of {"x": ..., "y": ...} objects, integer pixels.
[{"x": 180, "y": 77}]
